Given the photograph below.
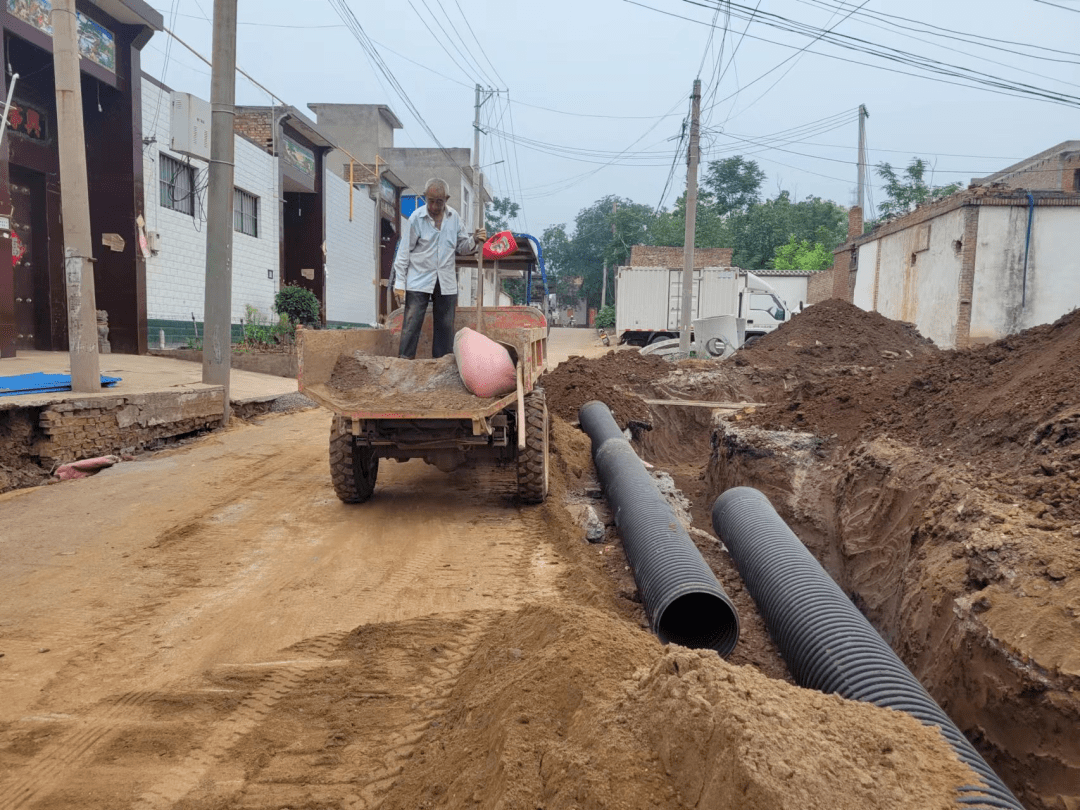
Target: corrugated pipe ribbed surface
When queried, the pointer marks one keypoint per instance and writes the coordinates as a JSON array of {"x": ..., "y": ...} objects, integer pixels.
[
  {"x": 682, "y": 597},
  {"x": 827, "y": 643}
]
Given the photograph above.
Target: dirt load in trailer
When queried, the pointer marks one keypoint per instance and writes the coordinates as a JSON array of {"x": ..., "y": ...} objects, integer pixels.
[{"x": 385, "y": 407}]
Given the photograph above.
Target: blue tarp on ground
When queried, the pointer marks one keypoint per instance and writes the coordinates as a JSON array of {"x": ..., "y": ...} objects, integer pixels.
[{"x": 41, "y": 383}]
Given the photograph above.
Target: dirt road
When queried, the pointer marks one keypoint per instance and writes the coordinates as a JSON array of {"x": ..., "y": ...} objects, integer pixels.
[
  {"x": 211, "y": 628},
  {"x": 139, "y": 597}
]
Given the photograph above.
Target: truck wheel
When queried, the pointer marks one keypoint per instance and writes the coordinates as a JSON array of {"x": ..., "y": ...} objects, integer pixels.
[
  {"x": 532, "y": 462},
  {"x": 352, "y": 469}
]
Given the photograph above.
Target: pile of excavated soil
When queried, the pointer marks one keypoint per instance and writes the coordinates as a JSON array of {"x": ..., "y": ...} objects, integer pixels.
[
  {"x": 614, "y": 378},
  {"x": 1012, "y": 408},
  {"x": 835, "y": 332},
  {"x": 942, "y": 490},
  {"x": 566, "y": 707},
  {"x": 366, "y": 382}
]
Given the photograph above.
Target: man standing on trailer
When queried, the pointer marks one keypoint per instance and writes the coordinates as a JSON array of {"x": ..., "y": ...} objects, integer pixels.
[{"x": 425, "y": 269}]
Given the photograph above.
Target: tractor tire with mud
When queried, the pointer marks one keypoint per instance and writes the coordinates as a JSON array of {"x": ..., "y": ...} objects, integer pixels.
[
  {"x": 532, "y": 462},
  {"x": 353, "y": 469}
]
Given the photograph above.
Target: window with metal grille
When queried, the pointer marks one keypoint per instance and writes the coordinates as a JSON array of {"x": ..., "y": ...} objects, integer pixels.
[
  {"x": 245, "y": 212},
  {"x": 177, "y": 184}
]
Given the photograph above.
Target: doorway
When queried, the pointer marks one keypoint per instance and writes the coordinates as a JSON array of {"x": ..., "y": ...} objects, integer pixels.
[{"x": 30, "y": 258}]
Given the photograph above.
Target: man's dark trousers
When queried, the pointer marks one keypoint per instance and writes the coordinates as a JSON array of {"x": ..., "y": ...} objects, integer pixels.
[{"x": 442, "y": 339}]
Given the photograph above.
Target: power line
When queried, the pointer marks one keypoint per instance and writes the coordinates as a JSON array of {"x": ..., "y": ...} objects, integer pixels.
[
  {"x": 255, "y": 24},
  {"x": 1057, "y": 5},
  {"x": 379, "y": 65},
  {"x": 478, "y": 44},
  {"x": 949, "y": 33},
  {"x": 970, "y": 79},
  {"x": 440, "y": 42}
]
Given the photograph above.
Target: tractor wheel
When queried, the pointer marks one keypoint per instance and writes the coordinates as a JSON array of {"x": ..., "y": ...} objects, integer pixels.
[
  {"x": 353, "y": 469},
  {"x": 532, "y": 462}
]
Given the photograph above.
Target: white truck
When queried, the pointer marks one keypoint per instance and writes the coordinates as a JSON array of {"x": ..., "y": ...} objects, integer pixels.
[{"x": 648, "y": 302}]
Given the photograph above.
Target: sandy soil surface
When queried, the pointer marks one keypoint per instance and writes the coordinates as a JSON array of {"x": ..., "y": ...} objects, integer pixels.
[{"x": 210, "y": 628}]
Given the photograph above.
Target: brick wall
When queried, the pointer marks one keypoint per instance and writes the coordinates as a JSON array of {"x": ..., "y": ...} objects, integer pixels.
[
  {"x": 654, "y": 256},
  {"x": 175, "y": 276},
  {"x": 257, "y": 127},
  {"x": 967, "y": 277},
  {"x": 819, "y": 287},
  {"x": 84, "y": 428},
  {"x": 843, "y": 276},
  {"x": 350, "y": 254}
]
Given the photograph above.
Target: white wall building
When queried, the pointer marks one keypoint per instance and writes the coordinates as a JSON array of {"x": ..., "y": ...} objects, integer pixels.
[
  {"x": 976, "y": 266},
  {"x": 175, "y": 206},
  {"x": 351, "y": 277}
]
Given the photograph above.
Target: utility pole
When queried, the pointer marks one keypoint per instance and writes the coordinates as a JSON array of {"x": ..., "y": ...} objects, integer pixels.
[
  {"x": 217, "y": 307},
  {"x": 478, "y": 190},
  {"x": 691, "y": 221},
  {"x": 75, "y": 202},
  {"x": 603, "y": 286},
  {"x": 863, "y": 115}
]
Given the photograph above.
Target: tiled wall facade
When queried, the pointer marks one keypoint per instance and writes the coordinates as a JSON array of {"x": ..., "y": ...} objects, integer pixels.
[{"x": 175, "y": 276}]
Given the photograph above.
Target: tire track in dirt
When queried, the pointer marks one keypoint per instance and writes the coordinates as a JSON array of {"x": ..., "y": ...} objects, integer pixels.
[{"x": 82, "y": 636}]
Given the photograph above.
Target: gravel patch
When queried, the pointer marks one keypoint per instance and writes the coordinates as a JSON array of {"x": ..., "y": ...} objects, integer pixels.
[{"x": 292, "y": 402}]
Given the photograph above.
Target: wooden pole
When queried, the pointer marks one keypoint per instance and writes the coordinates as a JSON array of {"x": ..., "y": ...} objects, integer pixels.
[{"x": 75, "y": 202}]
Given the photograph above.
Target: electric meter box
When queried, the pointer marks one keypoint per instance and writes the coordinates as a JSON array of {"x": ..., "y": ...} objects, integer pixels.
[{"x": 190, "y": 126}]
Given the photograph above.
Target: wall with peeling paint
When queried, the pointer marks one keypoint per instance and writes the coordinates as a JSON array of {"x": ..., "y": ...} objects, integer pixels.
[
  {"x": 1000, "y": 303},
  {"x": 917, "y": 275}
]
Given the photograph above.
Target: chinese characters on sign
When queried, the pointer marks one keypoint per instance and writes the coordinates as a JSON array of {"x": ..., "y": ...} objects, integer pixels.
[
  {"x": 96, "y": 42},
  {"x": 24, "y": 120},
  {"x": 298, "y": 156}
]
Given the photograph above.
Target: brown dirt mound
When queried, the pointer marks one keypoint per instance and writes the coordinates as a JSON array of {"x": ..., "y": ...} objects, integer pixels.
[
  {"x": 567, "y": 707},
  {"x": 835, "y": 332},
  {"x": 1012, "y": 407},
  {"x": 614, "y": 378}
]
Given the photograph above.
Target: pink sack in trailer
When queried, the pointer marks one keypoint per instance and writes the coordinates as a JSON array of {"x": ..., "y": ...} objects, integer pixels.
[{"x": 484, "y": 365}]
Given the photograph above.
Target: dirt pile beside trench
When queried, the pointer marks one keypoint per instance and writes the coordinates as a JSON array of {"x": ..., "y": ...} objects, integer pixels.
[
  {"x": 613, "y": 378},
  {"x": 942, "y": 491},
  {"x": 567, "y": 707}
]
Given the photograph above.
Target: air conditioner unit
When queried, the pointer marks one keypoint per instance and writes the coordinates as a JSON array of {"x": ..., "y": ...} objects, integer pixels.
[{"x": 190, "y": 126}]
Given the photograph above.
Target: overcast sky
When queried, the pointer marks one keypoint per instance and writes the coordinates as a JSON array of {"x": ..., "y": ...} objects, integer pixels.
[{"x": 613, "y": 69}]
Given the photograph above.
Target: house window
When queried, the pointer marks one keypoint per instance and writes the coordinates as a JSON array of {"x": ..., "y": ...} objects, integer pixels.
[
  {"x": 177, "y": 185},
  {"x": 245, "y": 212}
]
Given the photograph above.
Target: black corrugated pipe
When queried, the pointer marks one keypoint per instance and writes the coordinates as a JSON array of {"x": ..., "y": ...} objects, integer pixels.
[
  {"x": 827, "y": 643},
  {"x": 682, "y": 597}
]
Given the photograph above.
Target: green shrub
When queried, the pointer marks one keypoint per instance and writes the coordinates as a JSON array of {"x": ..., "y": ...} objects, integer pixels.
[
  {"x": 605, "y": 318},
  {"x": 297, "y": 304}
]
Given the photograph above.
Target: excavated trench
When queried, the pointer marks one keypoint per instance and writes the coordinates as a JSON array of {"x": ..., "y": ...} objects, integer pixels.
[{"x": 938, "y": 489}]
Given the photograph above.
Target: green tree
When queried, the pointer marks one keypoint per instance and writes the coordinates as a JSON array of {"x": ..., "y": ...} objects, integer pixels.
[
  {"x": 758, "y": 232},
  {"x": 499, "y": 213},
  {"x": 909, "y": 190},
  {"x": 802, "y": 255},
  {"x": 710, "y": 230},
  {"x": 733, "y": 184},
  {"x": 603, "y": 232}
]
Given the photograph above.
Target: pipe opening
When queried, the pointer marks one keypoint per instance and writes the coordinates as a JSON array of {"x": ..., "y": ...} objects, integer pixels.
[{"x": 702, "y": 621}]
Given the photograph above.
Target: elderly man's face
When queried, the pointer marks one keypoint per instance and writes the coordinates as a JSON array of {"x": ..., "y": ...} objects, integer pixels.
[{"x": 436, "y": 201}]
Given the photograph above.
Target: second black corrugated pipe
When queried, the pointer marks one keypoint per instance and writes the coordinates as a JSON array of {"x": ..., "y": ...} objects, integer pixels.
[
  {"x": 827, "y": 643},
  {"x": 685, "y": 603}
]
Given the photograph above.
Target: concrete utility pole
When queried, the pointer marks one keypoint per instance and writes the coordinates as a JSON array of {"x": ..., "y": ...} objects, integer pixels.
[
  {"x": 603, "y": 285},
  {"x": 217, "y": 307},
  {"x": 691, "y": 222},
  {"x": 75, "y": 202},
  {"x": 863, "y": 115},
  {"x": 478, "y": 190}
]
